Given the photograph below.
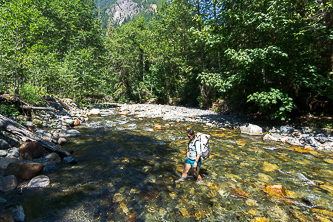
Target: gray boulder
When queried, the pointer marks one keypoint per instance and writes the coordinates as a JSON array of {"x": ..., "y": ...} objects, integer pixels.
[
  {"x": 286, "y": 129},
  {"x": 251, "y": 129},
  {"x": 4, "y": 162},
  {"x": 3, "y": 144}
]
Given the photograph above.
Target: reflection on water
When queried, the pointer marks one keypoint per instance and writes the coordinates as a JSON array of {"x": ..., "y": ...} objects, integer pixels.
[{"x": 127, "y": 167}]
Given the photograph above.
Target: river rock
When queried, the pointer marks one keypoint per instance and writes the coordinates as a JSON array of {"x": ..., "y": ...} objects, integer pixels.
[
  {"x": 270, "y": 137},
  {"x": 251, "y": 129},
  {"x": 69, "y": 121},
  {"x": 4, "y": 162},
  {"x": 39, "y": 181},
  {"x": 16, "y": 212},
  {"x": 69, "y": 133},
  {"x": 53, "y": 157},
  {"x": 286, "y": 129},
  {"x": 275, "y": 190},
  {"x": 31, "y": 150},
  {"x": 70, "y": 159},
  {"x": 47, "y": 138},
  {"x": 50, "y": 166},
  {"x": 77, "y": 122},
  {"x": 278, "y": 214},
  {"x": 8, "y": 183},
  {"x": 239, "y": 193},
  {"x": 300, "y": 216},
  {"x": 62, "y": 141},
  {"x": 6, "y": 218},
  {"x": 3, "y": 153},
  {"x": 94, "y": 112},
  {"x": 3, "y": 144},
  {"x": 13, "y": 152},
  {"x": 24, "y": 170}
]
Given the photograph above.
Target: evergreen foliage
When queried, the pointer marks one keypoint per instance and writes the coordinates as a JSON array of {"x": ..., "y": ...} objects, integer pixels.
[{"x": 273, "y": 58}]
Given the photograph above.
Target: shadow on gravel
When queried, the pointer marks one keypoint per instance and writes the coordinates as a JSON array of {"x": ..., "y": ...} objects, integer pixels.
[{"x": 110, "y": 165}]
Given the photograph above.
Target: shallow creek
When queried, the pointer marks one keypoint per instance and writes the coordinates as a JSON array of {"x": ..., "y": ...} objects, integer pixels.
[{"x": 126, "y": 171}]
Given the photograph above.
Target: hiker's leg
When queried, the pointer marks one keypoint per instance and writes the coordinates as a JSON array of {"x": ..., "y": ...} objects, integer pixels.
[
  {"x": 187, "y": 167},
  {"x": 196, "y": 172}
]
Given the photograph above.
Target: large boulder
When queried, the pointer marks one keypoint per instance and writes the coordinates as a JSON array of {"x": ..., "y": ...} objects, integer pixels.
[
  {"x": 251, "y": 129},
  {"x": 31, "y": 150},
  {"x": 24, "y": 170},
  {"x": 8, "y": 183}
]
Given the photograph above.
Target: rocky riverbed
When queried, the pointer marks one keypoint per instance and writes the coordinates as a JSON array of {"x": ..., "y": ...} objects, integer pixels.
[{"x": 60, "y": 125}]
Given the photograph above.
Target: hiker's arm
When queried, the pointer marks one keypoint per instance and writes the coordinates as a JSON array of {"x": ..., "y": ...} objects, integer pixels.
[
  {"x": 198, "y": 150},
  {"x": 187, "y": 153}
]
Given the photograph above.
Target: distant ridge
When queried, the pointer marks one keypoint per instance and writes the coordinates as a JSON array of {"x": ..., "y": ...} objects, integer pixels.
[{"x": 119, "y": 12}]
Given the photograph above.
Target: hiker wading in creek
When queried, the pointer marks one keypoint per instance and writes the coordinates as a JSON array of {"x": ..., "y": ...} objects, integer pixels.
[{"x": 192, "y": 159}]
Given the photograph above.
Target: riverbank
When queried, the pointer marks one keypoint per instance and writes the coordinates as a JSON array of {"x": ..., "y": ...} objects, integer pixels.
[
  {"x": 303, "y": 136},
  {"x": 64, "y": 122}
]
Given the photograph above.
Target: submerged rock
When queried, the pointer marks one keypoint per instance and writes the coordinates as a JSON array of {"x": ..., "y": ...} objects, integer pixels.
[
  {"x": 275, "y": 190},
  {"x": 239, "y": 193}
]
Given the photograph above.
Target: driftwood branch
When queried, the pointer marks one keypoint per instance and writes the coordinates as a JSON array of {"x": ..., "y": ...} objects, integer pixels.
[
  {"x": 21, "y": 132},
  {"x": 38, "y": 108},
  {"x": 13, "y": 98}
]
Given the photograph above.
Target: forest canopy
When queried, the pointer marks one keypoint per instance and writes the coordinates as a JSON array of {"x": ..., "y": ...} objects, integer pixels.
[{"x": 270, "y": 58}]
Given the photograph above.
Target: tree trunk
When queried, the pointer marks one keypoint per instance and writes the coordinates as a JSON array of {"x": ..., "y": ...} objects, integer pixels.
[{"x": 21, "y": 132}]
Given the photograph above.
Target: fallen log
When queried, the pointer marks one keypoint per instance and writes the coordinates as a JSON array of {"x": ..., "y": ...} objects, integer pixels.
[
  {"x": 21, "y": 132},
  {"x": 38, "y": 108},
  {"x": 13, "y": 99}
]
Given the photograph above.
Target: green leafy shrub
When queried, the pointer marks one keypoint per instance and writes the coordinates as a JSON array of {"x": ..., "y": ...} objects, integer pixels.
[
  {"x": 32, "y": 94},
  {"x": 8, "y": 109},
  {"x": 275, "y": 104}
]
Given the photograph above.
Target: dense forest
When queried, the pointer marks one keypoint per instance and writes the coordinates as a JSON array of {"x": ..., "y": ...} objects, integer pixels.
[{"x": 272, "y": 58}]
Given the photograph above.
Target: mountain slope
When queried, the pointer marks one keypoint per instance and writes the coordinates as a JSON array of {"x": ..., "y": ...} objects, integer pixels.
[{"x": 118, "y": 12}]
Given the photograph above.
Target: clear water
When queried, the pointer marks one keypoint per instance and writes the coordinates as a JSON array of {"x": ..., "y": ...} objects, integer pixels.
[{"x": 126, "y": 171}]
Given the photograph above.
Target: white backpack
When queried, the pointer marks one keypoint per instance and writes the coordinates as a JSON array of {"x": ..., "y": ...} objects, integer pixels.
[{"x": 205, "y": 149}]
